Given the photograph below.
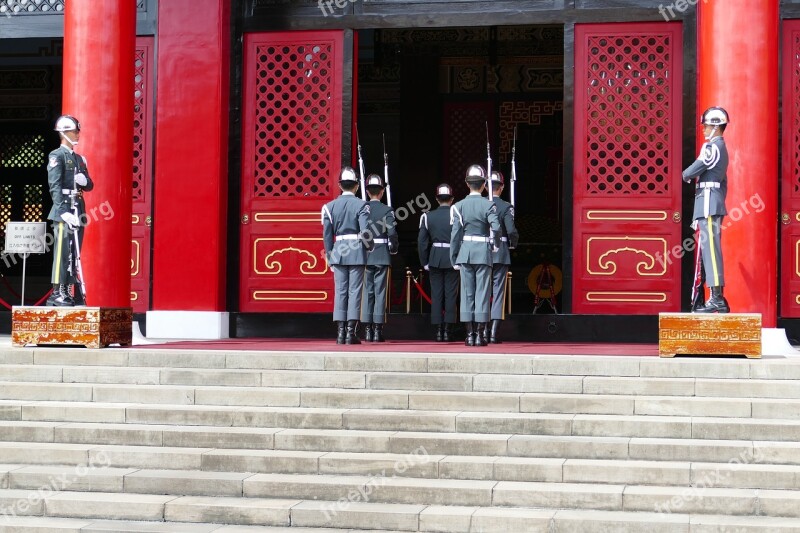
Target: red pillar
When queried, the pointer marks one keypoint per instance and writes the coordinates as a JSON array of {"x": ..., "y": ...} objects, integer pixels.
[
  {"x": 99, "y": 47},
  {"x": 191, "y": 155},
  {"x": 738, "y": 70}
]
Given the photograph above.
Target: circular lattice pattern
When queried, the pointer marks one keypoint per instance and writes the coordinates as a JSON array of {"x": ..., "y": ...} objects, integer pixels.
[
  {"x": 22, "y": 151},
  {"x": 628, "y": 116},
  {"x": 33, "y": 210},
  {"x": 466, "y": 139},
  {"x": 796, "y": 119},
  {"x": 293, "y": 120},
  {"x": 10, "y": 7},
  {"x": 139, "y": 136}
]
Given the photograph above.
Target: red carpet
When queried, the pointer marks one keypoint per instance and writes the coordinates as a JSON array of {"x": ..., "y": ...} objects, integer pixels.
[{"x": 320, "y": 345}]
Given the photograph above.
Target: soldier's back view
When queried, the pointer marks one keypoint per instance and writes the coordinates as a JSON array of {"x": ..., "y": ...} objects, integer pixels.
[
  {"x": 501, "y": 259},
  {"x": 345, "y": 223},
  {"x": 475, "y": 228}
]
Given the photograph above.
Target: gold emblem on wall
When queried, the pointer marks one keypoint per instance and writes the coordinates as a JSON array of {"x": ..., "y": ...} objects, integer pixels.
[
  {"x": 309, "y": 263},
  {"x": 606, "y": 252}
]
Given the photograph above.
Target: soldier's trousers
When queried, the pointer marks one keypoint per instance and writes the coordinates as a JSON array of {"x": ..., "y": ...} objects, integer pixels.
[
  {"x": 499, "y": 277},
  {"x": 711, "y": 249},
  {"x": 376, "y": 283},
  {"x": 349, "y": 282},
  {"x": 444, "y": 294},
  {"x": 476, "y": 290},
  {"x": 63, "y": 272}
]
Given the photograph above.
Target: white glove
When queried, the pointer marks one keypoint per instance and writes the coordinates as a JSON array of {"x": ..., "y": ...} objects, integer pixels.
[
  {"x": 495, "y": 249},
  {"x": 693, "y": 225},
  {"x": 426, "y": 267},
  {"x": 456, "y": 267},
  {"x": 70, "y": 219},
  {"x": 80, "y": 179}
]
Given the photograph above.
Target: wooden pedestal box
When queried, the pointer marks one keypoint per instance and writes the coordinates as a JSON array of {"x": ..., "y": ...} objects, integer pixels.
[
  {"x": 709, "y": 334},
  {"x": 93, "y": 327}
]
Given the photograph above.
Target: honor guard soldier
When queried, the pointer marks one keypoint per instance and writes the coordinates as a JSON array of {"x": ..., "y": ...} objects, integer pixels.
[
  {"x": 67, "y": 178},
  {"x": 345, "y": 233},
  {"x": 501, "y": 259},
  {"x": 382, "y": 226},
  {"x": 711, "y": 169},
  {"x": 475, "y": 230},
  {"x": 433, "y": 243}
]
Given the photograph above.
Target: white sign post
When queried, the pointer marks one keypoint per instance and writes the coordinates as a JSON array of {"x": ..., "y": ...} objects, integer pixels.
[{"x": 25, "y": 238}]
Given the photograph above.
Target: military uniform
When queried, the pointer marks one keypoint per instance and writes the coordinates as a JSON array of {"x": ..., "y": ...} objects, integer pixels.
[
  {"x": 345, "y": 221},
  {"x": 475, "y": 228},
  {"x": 383, "y": 227},
  {"x": 710, "y": 170},
  {"x": 63, "y": 164},
  {"x": 501, "y": 260},
  {"x": 433, "y": 243}
]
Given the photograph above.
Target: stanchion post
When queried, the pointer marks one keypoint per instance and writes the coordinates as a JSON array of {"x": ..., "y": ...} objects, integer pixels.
[
  {"x": 408, "y": 291},
  {"x": 508, "y": 289}
]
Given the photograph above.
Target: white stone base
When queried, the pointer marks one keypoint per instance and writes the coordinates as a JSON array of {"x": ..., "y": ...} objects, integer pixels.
[
  {"x": 187, "y": 325},
  {"x": 774, "y": 342}
]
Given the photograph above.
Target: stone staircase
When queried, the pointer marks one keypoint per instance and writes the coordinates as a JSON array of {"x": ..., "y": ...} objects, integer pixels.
[{"x": 166, "y": 440}]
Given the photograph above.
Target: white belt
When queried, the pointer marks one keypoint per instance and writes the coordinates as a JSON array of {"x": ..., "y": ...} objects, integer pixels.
[
  {"x": 475, "y": 238},
  {"x": 441, "y": 245},
  {"x": 380, "y": 241},
  {"x": 350, "y": 237},
  {"x": 504, "y": 239},
  {"x": 69, "y": 191},
  {"x": 709, "y": 185}
]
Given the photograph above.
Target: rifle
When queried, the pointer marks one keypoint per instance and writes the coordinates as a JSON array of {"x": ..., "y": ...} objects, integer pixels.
[
  {"x": 361, "y": 167},
  {"x": 488, "y": 162},
  {"x": 78, "y": 273},
  {"x": 386, "y": 174},
  {"x": 513, "y": 167}
]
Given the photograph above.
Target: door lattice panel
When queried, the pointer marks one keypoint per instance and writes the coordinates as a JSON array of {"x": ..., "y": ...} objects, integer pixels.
[
  {"x": 6, "y": 199},
  {"x": 628, "y": 129},
  {"x": 139, "y": 109},
  {"x": 795, "y": 54},
  {"x": 33, "y": 210},
  {"x": 465, "y": 140},
  {"x": 22, "y": 151},
  {"x": 293, "y": 120}
]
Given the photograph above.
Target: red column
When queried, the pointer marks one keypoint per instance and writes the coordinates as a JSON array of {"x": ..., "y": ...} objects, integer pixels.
[
  {"x": 738, "y": 70},
  {"x": 191, "y": 155},
  {"x": 99, "y": 47}
]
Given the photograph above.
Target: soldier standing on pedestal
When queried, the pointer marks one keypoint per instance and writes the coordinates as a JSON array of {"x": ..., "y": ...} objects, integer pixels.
[
  {"x": 382, "y": 225},
  {"x": 433, "y": 244},
  {"x": 710, "y": 169},
  {"x": 345, "y": 223},
  {"x": 67, "y": 178},
  {"x": 475, "y": 230},
  {"x": 501, "y": 259}
]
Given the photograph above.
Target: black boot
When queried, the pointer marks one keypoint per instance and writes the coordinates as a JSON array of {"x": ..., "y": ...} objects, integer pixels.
[
  {"x": 698, "y": 300},
  {"x": 481, "y": 338},
  {"x": 377, "y": 333},
  {"x": 470, "y": 340},
  {"x": 368, "y": 332},
  {"x": 340, "y": 332},
  {"x": 716, "y": 304},
  {"x": 60, "y": 297},
  {"x": 447, "y": 336},
  {"x": 351, "y": 337},
  {"x": 440, "y": 333},
  {"x": 493, "y": 334}
]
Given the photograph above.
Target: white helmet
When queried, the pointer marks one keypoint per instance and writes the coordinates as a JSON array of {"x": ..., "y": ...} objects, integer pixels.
[
  {"x": 714, "y": 116},
  {"x": 475, "y": 173},
  {"x": 67, "y": 123}
]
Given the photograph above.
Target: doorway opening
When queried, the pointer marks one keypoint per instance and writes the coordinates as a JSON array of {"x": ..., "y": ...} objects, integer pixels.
[{"x": 434, "y": 94}]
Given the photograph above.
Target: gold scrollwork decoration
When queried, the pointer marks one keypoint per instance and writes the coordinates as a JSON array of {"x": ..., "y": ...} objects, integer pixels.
[
  {"x": 296, "y": 216},
  {"x": 644, "y": 267},
  {"x": 135, "y": 259},
  {"x": 274, "y": 266}
]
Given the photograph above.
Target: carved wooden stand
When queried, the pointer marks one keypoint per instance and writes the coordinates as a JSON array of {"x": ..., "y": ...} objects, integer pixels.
[
  {"x": 93, "y": 327},
  {"x": 712, "y": 334}
]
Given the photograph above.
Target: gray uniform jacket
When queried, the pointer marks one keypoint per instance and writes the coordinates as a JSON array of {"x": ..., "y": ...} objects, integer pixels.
[
  {"x": 344, "y": 221},
  {"x": 62, "y": 166},
  {"x": 510, "y": 236},
  {"x": 433, "y": 241},
  {"x": 711, "y": 167},
  {"x": 473, "y": 218},
  {"x": 383, "y": 226}
]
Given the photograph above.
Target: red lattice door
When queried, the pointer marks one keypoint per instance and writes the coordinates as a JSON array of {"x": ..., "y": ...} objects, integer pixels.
[
  {"x": 790, "y": 186},
  {"x": 142, "y": 175},
  {"x": 627, "y": 186},
  {"x": 291, "y": 157}
]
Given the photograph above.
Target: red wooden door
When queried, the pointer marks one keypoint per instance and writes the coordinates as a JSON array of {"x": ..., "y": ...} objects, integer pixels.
[
  {"x": 291, "y": 157},
  {"x": 142, "y": 175},
  {"x": 790, "y": 179},
  {"x": 627, "y": 185}
]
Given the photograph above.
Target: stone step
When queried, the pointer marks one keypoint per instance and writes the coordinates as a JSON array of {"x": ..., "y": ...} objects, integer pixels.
[{"x": 466, "y": 363}]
